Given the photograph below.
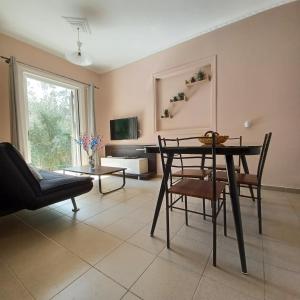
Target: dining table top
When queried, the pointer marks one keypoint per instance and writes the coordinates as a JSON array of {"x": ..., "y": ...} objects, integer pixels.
[{"x": 207, "y": 149}]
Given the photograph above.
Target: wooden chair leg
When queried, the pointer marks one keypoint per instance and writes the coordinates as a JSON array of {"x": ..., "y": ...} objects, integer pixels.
[
  {"x": 167, "y": 220},
  {"x": 204, "y": 209},
  {"x": 224, "y": 212},
  {"x": 259, "y": 209},
  {"x": 186, "y": 212}
]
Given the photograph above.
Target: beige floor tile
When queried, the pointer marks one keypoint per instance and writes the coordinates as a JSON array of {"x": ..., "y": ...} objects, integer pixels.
[
  {"x": 123, "y": 194},
  {"x": 44, "y": 217},
  {"x": 166, "y": 280},
  {"x": 188, "y": 253},
  {"x": 125, "y": 264},
  {"x": 228, "y": 272},
  {"x": 28, "y": 212},
  {"x": 209, "y": 289},
  {"x": 42, "y": 266},
  {"x": 281, "y": 284},
  {"x": 87, "y": 242},
  {"x": 153, "y": 244},
  {"x": 253, "y": 245},
  {"x": 57, "y": 226},
  {"x": 176, "y": 219},
  {"x": 54, "y": 272},
  {"x": 85, "y": 211},
  {"x": 45, "y": 267},
  {"x": 282, "y": 231},
  {"x": 109, "y": 216},
  {"x": 124, "y": 228},
  {"x": 130, "y": 296},
  {"x": 282, "y": 255},
  {"x": 10, "y": 287},
  {"x": 92, "y": 286},
  {"x": 197, "y": 233},
  {"x": 142, "y": 214}
]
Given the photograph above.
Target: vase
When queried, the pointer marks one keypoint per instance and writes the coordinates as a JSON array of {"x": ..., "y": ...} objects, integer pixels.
[{"x": 92, "y": 162}]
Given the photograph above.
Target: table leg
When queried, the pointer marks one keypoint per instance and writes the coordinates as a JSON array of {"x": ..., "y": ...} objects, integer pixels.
[
  {"x": 100, "y": 185},
  {"x": 104, "y": 193},
  {"x": 246, "y": 170},
  {"x": 162, "y": 192},
  {"x": 236, "y": 210}
]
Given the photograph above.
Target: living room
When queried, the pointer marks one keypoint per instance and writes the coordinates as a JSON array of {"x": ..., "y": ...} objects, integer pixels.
[{"x": 121, "y": 81}]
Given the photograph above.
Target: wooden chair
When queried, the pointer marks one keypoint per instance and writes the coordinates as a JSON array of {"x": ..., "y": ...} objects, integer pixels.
[
  {"x": 198, "y": 188},
  {"x": 252, "y": 180},
  {"x": 182, "y": 169},
  {"x": 222, "y": 167}
]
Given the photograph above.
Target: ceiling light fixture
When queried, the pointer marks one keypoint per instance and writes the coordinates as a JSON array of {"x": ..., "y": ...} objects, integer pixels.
[{"x": 78, "y": 57}]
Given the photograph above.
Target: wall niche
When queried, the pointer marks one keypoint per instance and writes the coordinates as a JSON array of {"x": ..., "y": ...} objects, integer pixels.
[{"x": 185, "y": 97}]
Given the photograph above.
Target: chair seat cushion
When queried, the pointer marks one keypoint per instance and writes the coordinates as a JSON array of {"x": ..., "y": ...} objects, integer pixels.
[
  {"x": 192, "y": 173},
  {"x": 197, "y": 188},
  {"x": 248, "y": 179}
]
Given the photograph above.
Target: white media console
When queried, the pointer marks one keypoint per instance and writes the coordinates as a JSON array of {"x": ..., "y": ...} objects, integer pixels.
[
  {"x": 139, "y": 163},
  {"x": 135, "y": 166}
]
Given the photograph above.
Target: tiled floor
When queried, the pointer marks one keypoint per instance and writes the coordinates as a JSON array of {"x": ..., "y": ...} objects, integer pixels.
[{"x": 105, "y": 251}]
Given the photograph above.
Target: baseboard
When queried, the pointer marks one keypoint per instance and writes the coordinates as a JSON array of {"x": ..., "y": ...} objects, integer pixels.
[{"x": 281, "y": 189}]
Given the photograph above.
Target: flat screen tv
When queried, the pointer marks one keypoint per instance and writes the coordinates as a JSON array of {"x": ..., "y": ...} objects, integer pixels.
[{"x": 124, "y": 129}]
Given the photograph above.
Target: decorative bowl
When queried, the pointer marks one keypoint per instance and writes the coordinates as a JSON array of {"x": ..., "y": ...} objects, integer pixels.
[{"x": 207, "y": 138}]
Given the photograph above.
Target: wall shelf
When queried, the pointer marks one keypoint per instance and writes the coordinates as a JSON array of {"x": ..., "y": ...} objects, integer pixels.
[
  {"x": 185, "y": 98},
  {"x": 200, "y": 113},
  {"x": 198, "y": 82}
]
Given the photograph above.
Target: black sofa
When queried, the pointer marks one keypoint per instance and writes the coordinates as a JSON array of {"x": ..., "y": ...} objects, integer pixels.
[{"x": 19, "y": 189}]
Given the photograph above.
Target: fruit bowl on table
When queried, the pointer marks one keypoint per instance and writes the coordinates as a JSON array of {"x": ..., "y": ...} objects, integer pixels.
[{"x": 207, "y": 138}]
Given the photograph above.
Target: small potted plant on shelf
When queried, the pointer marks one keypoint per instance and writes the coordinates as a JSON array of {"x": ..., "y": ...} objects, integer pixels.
[
  {"x": 166, "y": 114},
  {"x": 200, "y": 75},
  {"x": 181, "y": 96}
]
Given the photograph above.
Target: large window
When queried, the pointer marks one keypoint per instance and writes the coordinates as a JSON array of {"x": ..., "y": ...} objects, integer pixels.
[{"x": 53, "y": 118}]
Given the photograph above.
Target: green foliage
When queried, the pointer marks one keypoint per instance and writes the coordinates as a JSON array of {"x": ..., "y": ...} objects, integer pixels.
[{"x": 50, "y": 124}]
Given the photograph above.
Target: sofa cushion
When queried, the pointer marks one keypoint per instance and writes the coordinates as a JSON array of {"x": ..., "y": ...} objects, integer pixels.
[{"x": 54, "y": 182}]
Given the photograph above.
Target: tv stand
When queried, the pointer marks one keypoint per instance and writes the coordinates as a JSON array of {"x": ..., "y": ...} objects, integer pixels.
[{"x": 132, "y": 157}]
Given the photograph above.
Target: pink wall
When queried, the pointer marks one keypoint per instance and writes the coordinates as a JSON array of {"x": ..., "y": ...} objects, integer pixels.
[
  {"x": 258, "y": 72},
  {"x": 31, "y": 55}
]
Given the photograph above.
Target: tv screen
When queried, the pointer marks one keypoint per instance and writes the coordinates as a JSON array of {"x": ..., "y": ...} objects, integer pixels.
[{"x": 124, "y": 129}]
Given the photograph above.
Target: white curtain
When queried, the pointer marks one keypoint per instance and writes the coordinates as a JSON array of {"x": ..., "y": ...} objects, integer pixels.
[
  {"x": 91, "y": 119},
  {"x": 18, "y": 120}
]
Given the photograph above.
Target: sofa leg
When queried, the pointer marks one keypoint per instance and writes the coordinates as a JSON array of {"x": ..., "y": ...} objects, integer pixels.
[{"x": 75, "y": 208}]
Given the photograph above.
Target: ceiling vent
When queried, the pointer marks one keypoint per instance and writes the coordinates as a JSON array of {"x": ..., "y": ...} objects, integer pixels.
[{"x": 81, "y": 23}]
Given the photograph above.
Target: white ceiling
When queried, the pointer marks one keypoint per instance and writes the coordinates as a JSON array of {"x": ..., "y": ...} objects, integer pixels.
[{"x": 123, "y": 31}]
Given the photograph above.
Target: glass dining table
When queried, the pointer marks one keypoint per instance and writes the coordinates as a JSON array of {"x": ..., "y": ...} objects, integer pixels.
[{"x": 229, "y": 152}]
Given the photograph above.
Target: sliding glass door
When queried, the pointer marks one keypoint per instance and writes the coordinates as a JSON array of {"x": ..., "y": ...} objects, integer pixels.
[{"x": 53, "y": 122}]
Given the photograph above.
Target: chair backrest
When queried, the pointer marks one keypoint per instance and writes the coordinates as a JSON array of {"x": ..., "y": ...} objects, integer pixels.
[
  {"x": 162, "y": 142},
  {"x": 17, "y": 184},
  {"x": 182, "y": 161},
  {"x": 205, "y": 157},
  {"x": 184, "y": 158},
  {"x": 263, "y": 156}
]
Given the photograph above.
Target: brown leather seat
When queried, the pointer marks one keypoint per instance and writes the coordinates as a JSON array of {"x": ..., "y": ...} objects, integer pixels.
[
  {"x": 248, "y": 179},
  {"x": 192, "y": 173},
  {"x": 197, "y": 188}
]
